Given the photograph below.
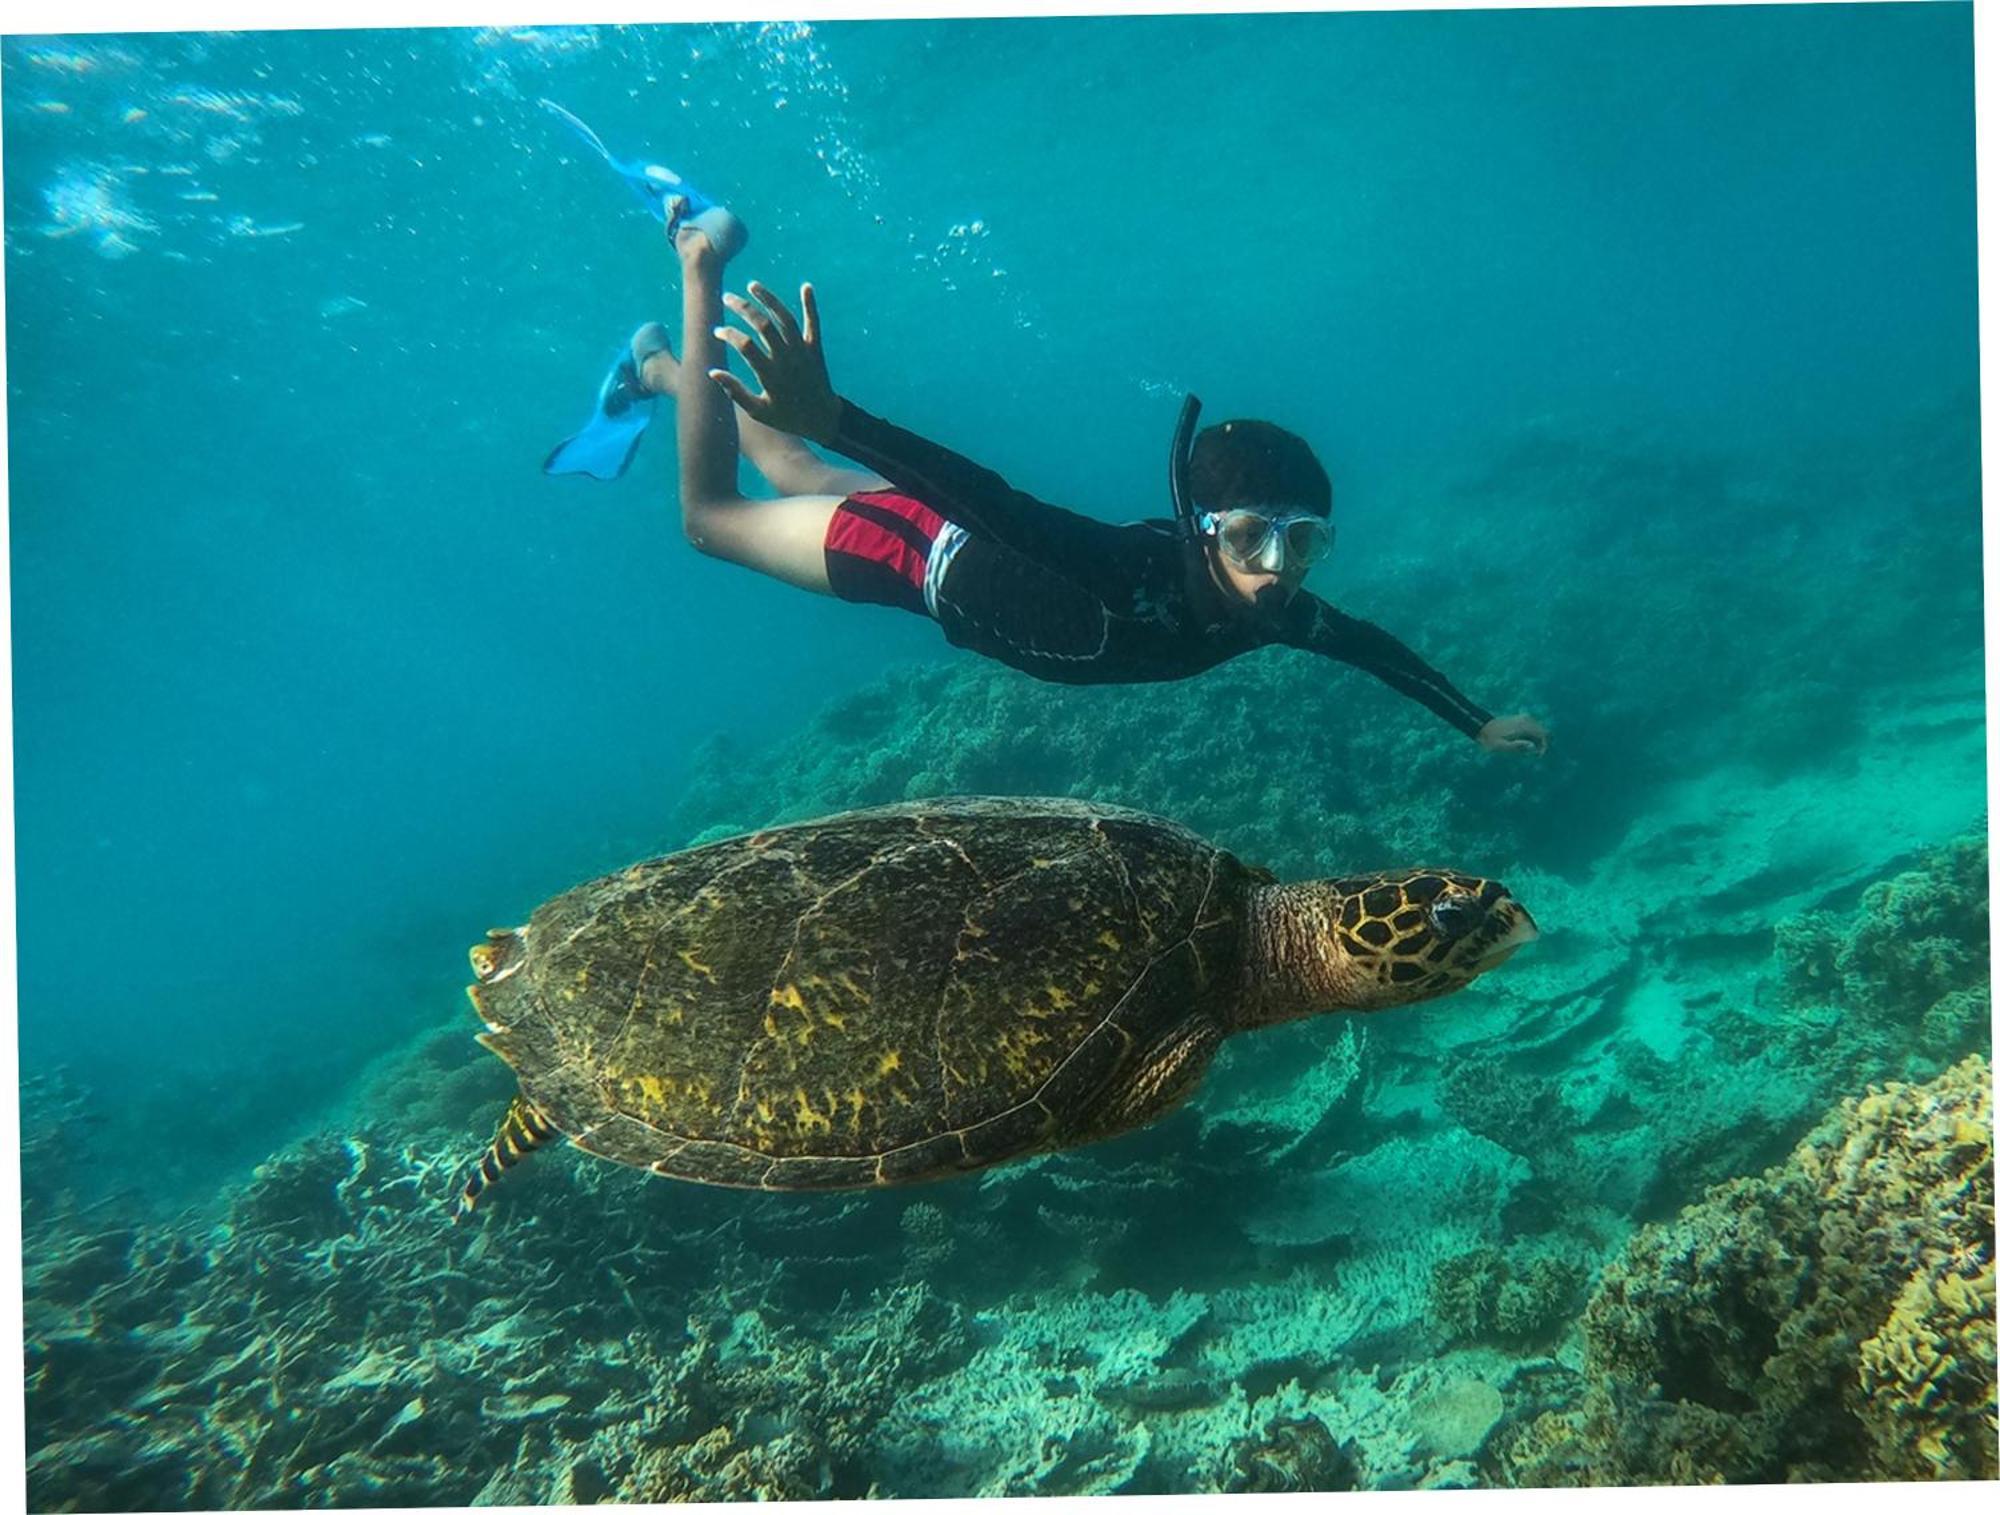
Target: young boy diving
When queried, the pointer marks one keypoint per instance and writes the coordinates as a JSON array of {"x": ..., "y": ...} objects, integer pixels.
[{"x": 1058, "y": 595}]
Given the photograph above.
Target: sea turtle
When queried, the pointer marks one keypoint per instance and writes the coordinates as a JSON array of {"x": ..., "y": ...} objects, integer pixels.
[{"x": 924, "y": 989}]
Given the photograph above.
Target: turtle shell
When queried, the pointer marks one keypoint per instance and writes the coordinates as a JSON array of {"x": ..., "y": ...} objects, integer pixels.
[{"x": 873, "y": 998}]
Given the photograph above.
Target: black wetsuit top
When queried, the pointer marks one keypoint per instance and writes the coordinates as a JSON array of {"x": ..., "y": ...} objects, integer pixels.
[{"x": 1075, "y": 600}]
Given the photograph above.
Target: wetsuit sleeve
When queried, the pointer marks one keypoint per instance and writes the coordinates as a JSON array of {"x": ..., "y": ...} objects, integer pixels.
[
  {"x": 1367, "y": 646},
  {"x": 966, "y": 492}
]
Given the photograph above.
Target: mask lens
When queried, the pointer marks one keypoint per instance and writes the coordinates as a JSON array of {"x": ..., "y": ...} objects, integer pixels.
[
  {"x": 1242, "y": 535},
  {"x": 1263, "y": 544},
  {"x": 1307, "y": 540}
]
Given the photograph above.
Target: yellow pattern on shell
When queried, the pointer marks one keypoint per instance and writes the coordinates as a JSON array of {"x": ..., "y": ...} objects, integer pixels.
[{"x": 805, "y": 1117}]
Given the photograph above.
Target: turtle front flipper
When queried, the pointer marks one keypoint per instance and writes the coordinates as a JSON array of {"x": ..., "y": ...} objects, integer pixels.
[
  {"x": 1158, "y": 1081},
  {"x": 522, "y": 1129}
]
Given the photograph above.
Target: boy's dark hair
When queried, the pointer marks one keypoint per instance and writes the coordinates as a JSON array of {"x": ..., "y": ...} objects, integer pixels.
[{"x": 1254, "y": 464}]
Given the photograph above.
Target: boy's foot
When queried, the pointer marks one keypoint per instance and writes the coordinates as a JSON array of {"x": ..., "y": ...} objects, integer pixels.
[
  {"x": 693, "y": 219},
  {"x": 603, "y": 449},
  {"x": 653, "y": 359}
]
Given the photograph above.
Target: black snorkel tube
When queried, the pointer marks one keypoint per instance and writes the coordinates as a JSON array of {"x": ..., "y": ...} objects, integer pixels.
[
  {"x": 1186, "y": 527},
  {"x": 1177, "y": 471},
  {"x": 1270, "y": 599}
]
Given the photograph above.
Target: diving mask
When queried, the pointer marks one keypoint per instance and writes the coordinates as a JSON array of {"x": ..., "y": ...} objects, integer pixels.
[{"x": 1259, "y": 543}]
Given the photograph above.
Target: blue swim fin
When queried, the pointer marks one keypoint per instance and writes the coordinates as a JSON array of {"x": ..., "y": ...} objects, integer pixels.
[
  {"x": 604, "y": 448},
  {"x": 663, "y": 192}
]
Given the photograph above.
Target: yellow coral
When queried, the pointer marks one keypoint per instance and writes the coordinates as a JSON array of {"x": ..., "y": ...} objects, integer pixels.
[
  {"x": 1723, "y": 1344},
  {"x": 1927, "y": 1378}
]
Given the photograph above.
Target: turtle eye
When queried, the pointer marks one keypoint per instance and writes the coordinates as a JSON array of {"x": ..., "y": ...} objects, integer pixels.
[{"x": 1454, "y": 917}]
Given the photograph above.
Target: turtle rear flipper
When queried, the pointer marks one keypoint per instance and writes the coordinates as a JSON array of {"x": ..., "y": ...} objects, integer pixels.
[{"x": 522, "y": 1129}]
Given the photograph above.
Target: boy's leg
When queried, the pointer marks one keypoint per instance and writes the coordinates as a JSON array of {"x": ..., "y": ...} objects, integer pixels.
[
  {"x": 785, "y": 537},
  {"x": 791, "y": 467},
  {"x": 787, "y": 464}
]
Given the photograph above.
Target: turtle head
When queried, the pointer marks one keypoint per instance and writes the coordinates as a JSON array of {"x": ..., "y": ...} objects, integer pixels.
[
  {"x": 1404, "y": 937},
  {"x": 1378, "y": 940}
]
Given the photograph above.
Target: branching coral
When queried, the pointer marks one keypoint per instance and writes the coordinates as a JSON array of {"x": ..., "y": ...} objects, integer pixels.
[
  {"x": 338, "y": 1341},
  {"x": 1049, "y": 1401},
  {"x": 1270, "y": 1105}
]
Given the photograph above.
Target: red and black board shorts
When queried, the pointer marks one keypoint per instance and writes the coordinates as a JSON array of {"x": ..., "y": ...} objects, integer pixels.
[{"x": 879, "y": 548}]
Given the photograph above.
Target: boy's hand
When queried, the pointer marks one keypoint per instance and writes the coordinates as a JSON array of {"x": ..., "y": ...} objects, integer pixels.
[
  {"x": 797, "y": 396},
  {"x": 1514, "y": 733}
]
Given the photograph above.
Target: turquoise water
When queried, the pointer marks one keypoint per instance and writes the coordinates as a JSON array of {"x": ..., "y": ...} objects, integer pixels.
[{"x": 1641, "y": 347}]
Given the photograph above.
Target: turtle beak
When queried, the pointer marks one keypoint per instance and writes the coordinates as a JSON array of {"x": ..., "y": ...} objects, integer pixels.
[{"x": 1517, "y": 929}]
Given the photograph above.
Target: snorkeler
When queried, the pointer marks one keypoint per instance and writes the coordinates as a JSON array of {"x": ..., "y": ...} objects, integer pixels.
[{"x": 1058, "y": 595}]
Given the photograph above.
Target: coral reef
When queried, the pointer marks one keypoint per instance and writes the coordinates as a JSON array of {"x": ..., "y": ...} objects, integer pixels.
[
  {"x": 1523, "y": 1113},
  {"x": 1927, "y": 1375},
  {"x": 1454, "y": 1418},
  {"x": 1826, "y": 1320},
  {"x": 975, "y": 728},
  {"x": 1696, "y": 1072},
  {"x": 332, "y": 1338},
  {"x": 1315, "y": 1276},
  {"x": 1333, "y": 1269},
  {"x": 338, "y": 1341},
  {"x": 57, "y": 1145},
  {"x": 1293, "y": 1455},
  {"x": 328, "y": 1337},
  {"x": 1522, "y": 1295},
  {"x": 1699, "y": 1121},
  {"x": 1343, "y": 1264},
  {"x": 1909, "y": 965}
]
